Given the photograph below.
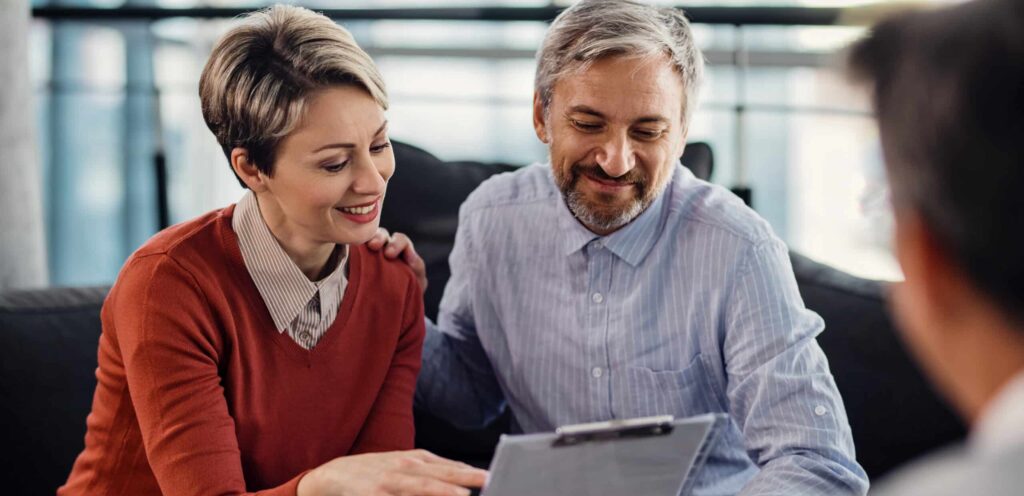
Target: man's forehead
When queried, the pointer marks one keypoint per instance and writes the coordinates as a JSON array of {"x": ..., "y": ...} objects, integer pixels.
[{"x": 620, "y": 87}]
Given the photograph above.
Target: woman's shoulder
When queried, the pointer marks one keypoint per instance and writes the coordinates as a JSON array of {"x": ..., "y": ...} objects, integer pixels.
[
  {"x": 199, "y": 230},
  {"x": 193, "y": 249},
  {"x": 390, "y": 275}
]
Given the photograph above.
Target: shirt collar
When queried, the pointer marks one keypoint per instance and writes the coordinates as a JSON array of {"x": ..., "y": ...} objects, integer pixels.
[
  {"x": 1000, "y": 427},
  {"x": 284, "y": 288},
  {"x": 632, "y": 242}
]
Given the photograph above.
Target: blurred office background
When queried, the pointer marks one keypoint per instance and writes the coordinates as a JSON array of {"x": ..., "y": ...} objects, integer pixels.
[{"x": 112, "y": 91}]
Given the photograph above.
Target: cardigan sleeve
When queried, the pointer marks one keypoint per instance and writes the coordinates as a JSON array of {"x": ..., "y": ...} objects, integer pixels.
[
  {"x": 389, "y": 425},
  {"x": 170, "y": 345}
]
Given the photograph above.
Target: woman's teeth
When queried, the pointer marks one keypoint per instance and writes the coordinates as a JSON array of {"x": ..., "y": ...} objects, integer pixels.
[{"x": 358, "y": 210}]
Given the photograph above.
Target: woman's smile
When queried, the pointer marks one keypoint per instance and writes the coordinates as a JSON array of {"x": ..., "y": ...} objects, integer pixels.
[{"x": 361, "y": 214}]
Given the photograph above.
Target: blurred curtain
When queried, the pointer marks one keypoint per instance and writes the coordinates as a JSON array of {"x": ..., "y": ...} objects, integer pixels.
[{"x": 22, "y": 249}]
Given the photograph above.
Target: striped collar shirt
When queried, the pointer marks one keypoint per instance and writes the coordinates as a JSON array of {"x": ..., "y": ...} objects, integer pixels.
[
  {"x": 303, "y": 308},
  {"x": 691, "y": 308}
]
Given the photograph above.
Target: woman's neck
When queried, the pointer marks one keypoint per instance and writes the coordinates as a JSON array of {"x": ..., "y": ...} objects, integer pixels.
[{"x": 315, "y": 259}]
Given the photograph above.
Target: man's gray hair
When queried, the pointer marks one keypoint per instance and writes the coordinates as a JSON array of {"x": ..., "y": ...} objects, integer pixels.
[{"x": 592, "y": 29}]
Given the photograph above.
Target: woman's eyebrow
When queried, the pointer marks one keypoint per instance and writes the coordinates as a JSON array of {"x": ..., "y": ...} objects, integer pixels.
[{"x": 350, "y": 145}]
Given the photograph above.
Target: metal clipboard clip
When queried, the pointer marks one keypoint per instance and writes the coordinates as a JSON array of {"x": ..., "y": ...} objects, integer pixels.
[{"x": 572, "y": 435}]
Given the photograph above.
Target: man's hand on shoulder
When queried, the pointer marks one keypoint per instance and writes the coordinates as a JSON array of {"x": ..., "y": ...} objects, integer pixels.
[{"x": 399, "y": 245}]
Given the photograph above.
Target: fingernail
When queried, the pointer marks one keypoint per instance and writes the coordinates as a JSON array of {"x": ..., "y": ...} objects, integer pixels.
[{"x": 462, "y": 492}]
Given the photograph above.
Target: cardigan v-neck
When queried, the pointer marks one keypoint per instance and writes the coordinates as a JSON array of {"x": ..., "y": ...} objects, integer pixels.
[{"x": 194, "y": 397}]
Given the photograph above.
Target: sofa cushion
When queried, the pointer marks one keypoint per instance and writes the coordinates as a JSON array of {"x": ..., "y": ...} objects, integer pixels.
[
  {"x": 49, "y": 338},
  {"x": 894, "y": 413},
  {"x": 425, "y": 193},
  {"x": 48, "y": 344},
  {"x": 882, "y": 388}
]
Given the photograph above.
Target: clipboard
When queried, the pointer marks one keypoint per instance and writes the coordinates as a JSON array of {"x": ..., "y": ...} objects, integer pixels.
[{"x": 652, "y": 456}]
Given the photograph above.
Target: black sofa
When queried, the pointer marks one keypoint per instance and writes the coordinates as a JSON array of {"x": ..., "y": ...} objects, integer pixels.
[{"x": 48, "y": 341}]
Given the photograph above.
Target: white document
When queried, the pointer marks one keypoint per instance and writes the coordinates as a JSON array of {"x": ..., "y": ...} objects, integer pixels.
[{"x": 650, "y": 456}]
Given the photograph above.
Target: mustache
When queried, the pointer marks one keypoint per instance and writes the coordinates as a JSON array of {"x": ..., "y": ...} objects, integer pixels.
[{"x": 634, "y": 176}]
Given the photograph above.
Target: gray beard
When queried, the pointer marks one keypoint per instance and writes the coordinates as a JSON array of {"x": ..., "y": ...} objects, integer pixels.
[{"x": 598, "y": 220}]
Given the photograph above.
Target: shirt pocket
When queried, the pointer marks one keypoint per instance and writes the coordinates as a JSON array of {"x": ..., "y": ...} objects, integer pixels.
[{"x": 644, "y": 392}]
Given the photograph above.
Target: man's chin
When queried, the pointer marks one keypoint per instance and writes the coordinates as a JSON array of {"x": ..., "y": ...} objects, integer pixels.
[
  {"x": 602, "y": 215},
  {"x": 607, "y": 204}
]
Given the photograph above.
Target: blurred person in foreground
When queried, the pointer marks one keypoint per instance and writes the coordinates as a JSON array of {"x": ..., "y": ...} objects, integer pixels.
[
  {"x": 611, "y": 283},
  {"x": 260, "y": 348},
  {"x": 948, "y": 91}
]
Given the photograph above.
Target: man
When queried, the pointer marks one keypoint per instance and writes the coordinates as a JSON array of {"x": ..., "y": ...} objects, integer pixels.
[
  {"x": 948, "y": 88},
  {"x": 611, "y": 283}
]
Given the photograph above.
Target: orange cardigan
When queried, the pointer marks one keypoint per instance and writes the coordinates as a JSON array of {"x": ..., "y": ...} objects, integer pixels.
[{"x": 199, "y": 394}]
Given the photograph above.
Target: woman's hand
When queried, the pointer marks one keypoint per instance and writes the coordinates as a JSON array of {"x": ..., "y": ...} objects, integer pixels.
[
  {"x": 396, "y": 473},
  {"x": 397, "y": 245}
]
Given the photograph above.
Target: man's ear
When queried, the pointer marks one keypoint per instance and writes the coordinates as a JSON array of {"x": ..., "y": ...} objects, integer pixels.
[
  {"x": 247, "y": 170},
  {"x": 539, "y": 125},
  {"x": 682, "y": 140},
  {"x": 928, "y": 267}
]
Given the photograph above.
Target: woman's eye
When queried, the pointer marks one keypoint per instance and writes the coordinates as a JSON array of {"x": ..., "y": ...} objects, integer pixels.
[
  {"x": 335, "y": 167},
  {"x": 381, "y": 147}
]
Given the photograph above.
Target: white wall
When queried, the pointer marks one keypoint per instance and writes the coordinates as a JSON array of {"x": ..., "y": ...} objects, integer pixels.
[{"x": 22, "y": 247}]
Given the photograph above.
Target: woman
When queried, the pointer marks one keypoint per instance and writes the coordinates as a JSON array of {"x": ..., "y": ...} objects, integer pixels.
[{"x": 261, "y": 347}]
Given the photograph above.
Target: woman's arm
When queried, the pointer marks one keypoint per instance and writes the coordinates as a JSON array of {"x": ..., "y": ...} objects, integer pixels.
[
  {"x": 170, "y": 344},
  {"x": 389, "y": 426}
]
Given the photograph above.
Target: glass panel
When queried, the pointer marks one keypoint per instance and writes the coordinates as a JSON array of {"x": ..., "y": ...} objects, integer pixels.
[
  {"x": 85, "y": 193},
  {"x": 461, "y": 90}
]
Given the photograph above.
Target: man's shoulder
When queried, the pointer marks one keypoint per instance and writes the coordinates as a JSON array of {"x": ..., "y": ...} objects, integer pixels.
[
  {"x": 957, "y": 471},
  {"x": 529, "y": 184},
  {"x": 712, "y": 209}
]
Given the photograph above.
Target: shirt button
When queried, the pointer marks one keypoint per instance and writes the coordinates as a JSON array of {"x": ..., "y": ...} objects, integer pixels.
[
  {"x": 598, "y": 245},
  {"x": 597, "y": 297},
  {"x": 305, "y": 336},
  {"x": 820, "y": 411},
  {"x": 597, "y": 372}
]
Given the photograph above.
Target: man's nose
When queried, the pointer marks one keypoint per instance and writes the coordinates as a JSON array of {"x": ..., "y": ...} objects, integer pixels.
[{"x": 616, "y": 156}]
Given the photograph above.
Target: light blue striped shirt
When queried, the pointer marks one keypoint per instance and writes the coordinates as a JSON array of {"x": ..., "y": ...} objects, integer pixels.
[{"x": 689, "y": 309}]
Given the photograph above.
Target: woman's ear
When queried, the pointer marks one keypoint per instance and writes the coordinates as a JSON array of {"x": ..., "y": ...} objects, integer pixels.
[{"x": 247, "y": 170}]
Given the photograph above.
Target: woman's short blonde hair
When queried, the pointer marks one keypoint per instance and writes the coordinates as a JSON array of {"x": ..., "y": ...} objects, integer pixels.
[{"x": 254, "y": 87}]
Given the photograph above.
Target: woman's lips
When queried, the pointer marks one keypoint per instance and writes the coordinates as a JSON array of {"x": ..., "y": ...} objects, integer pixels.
[{"x": 361, "y": 214}]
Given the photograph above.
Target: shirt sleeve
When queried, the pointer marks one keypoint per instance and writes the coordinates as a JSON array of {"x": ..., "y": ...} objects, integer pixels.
[
  {"x": 457, "y": 382},
  {"x": 780, "y": 391},
  {"x": 389, "y": 425},
  {"x": 170, "y": 361}
]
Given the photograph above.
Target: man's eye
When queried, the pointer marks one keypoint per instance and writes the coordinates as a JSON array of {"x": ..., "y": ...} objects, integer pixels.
[
  {"x": 586, "y": 126},
  {"x": 335, "y": 167},
  {"x": 647, "y": 134}
]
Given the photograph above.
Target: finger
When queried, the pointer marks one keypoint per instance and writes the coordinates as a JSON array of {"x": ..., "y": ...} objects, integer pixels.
[
  {"x": 411, "y": 257},
  {"x": 459, "y": 476},
  {"x": 428, "y": 457},
  {"x": 413, "y": 260},
  {"x": 398, "y": 244},
  {"x": 415, "y": 485},
  {"x": 379, "y": 239}
]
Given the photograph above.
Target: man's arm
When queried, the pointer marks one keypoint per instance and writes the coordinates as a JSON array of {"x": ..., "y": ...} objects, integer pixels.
[
  {"x": 781, "y": 393},
  {"x": 456, "y": 381}
]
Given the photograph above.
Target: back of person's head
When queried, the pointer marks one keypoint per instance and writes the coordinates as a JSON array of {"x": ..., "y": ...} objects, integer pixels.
[
  {"x": 948, "y": 90},
  {"x": 261, "y": 73},
  {"x": 592, "y": 29}
]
